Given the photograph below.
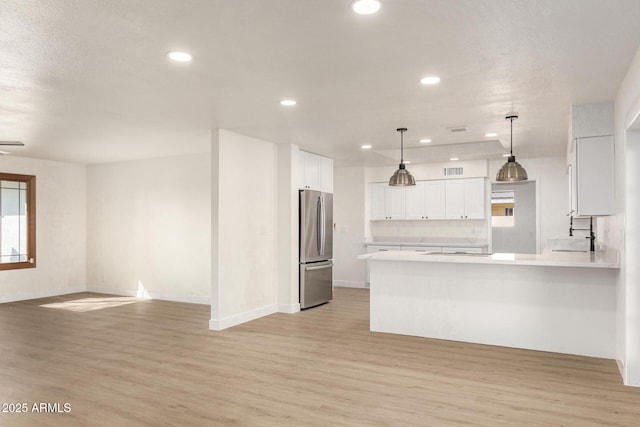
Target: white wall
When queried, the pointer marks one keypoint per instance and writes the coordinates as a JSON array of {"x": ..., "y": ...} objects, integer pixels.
[
  {"x": 149, "y": 228},
  {"x": 550, "y": 174},
  {"x": 288, "y": 177},
  {"x": 244, "y": 261},
  {"x": 60, "y": 231},
  {"x": 622, "y": 231},
  {"x": 349, "y": 218}
]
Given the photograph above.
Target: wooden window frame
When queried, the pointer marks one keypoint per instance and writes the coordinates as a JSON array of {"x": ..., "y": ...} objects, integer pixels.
[{"x": 30, "y": 180}]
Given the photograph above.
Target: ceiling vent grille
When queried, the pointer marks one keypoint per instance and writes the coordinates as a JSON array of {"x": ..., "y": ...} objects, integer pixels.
[
  {"x": 456, "y": 129},
  {"x": 459, "y": 171}
]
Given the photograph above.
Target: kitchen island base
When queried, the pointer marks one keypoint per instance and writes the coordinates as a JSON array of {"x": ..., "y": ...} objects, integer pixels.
[{"x": 549, "y": 308}]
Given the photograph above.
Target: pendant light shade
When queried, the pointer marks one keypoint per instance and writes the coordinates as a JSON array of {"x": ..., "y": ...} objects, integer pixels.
[
  {"x": 511, "y": 171},
  {"x": 402, "y": 177}
]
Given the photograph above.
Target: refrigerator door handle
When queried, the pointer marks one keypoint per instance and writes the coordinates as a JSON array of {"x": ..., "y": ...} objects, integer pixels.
[
  {"x": 319, "y": 267},
  {"x": 319, "y": 225},
  {"x": 322, "y": 226}
]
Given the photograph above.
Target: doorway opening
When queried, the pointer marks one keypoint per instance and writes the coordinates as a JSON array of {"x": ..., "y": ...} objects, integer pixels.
[{"x": 513, "y": 217}]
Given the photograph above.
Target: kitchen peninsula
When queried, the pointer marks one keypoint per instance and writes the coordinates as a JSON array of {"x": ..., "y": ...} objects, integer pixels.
[{"x": 556, "y": 301}]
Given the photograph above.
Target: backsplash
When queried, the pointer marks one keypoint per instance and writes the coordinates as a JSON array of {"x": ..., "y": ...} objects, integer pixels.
[{"x": 468, "y": 229}]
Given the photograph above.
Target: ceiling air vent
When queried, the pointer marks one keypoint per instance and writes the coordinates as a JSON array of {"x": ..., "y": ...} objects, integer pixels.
[
  {"x": 456, "y": 129},
  {"x": 459, "y": 171}
]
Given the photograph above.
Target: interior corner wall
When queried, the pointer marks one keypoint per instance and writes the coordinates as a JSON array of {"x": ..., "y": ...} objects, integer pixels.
[
  {"x": 624, "y": 235},
  {"x": 349, "y": 218},
  {"x": 288, "y": 175},
  {"x": 149, "y": 228},
  {"x": 244, "y": 224},
  {"x": 60, "y": 231}
]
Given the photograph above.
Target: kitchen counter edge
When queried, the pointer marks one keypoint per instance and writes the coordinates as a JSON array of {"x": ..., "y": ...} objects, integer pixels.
[{"x": 603, "y": 259}]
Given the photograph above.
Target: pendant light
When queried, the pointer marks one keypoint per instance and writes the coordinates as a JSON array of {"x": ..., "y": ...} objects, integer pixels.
[
  {"x": 402, "y": 177},
  {"x": 511, "y": 171}
]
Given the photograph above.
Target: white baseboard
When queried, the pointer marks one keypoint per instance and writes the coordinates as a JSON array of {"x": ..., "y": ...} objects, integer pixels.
[
  {"x": 191, "y": 299},
  {"x": 349, "y": 284},
  {"x": 42, "y": 294},
  {"x": 289, "y": 308},
  {"x": 237, "y": 319}
]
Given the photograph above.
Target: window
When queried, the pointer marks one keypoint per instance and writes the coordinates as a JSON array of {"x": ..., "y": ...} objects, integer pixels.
[
  {"x": 17, "y": 221},
  {"x": 502, "y": 207}
]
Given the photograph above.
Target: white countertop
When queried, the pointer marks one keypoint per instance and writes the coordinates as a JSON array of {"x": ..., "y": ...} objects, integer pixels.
[
  {"x": 603, "y": 259},
  {"x": 430, "y": 242}
]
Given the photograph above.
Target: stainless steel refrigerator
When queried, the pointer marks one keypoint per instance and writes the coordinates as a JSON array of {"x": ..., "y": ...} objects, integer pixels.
[{"x": 316, "y": 248}]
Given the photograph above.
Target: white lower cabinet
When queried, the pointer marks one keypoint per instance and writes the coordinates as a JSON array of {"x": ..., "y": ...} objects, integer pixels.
[
  {"x": 422, "y": 248},
  {"x": 384, "y": 248},
  {"x": 453, "y": 250}
]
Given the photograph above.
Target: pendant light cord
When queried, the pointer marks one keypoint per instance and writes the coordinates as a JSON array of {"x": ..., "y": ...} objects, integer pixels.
[
  {"x": 402, "y": 131},
  {"x": 401, "y": 146},
  {"x": 511, "y": 149}
]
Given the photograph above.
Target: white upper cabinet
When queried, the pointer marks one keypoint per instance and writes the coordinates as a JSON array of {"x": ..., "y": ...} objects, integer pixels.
[
  {"x": 316, "y": 172},
  {"x": 425, "y": 200},
  {"x": 465, "y": 198},
  {"x": 415, "y": 201},
  {"x": 454, "y": 199},
  {"x": 387, "y": 202},
  {"x": 435, "y": 199},
  {"x": 592, "y": 176},
  {"x": 591, "y": 159},
  {"x": 474, "y": 198}
]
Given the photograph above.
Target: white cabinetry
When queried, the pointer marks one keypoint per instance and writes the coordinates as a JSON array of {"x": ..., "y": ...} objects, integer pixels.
[
  {"x": 426, "y": 200},
  {"x": 316, "y": 172},
  {"x": 465, "y": 198},
  {"x": 387, "y": 202},
  {"x": 591, "y": 176},
  {"x": 453, "y": 250},
  {"x": 434, "y": 199},
  {"x": 372, "y": 249},
  {"x": 415, "y": 201},
  {"x": 422, "y": 248}
]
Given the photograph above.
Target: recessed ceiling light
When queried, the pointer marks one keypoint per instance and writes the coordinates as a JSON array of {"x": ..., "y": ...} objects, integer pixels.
[
  {"x": 506, "y": 155},
  {"x": 425, "y": 141},
  {"x": 180, "y": 56},
  {"x": 490, "y": 134},
  {"x": 453, "y": 159},
  {"x": 430, "y": 80},
  {"x": 407, "y": 162},
  {"x": 365, "y": 7},
  {"x": 2, "y": 153},
  {"x": 365, "y": 146},
  {"x": 288, "y": 102}
]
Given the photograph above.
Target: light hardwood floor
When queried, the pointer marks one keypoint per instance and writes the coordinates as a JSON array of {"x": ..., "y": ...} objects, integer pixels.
[{"x": 155, "y": 363}]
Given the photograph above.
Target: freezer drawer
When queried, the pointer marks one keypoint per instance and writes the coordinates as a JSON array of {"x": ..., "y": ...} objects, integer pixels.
[{"x": 316, "y": 283}]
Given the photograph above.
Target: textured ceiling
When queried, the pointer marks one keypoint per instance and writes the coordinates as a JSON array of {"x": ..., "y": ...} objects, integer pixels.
[{"x": 88, "y": 80}]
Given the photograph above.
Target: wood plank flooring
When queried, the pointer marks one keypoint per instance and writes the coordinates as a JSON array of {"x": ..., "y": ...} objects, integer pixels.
[{"x": 156, "y": 363}]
